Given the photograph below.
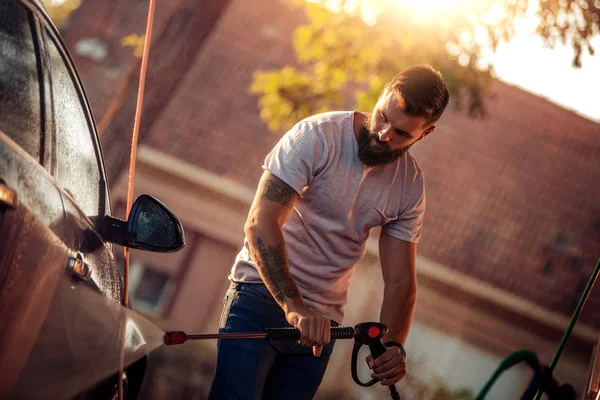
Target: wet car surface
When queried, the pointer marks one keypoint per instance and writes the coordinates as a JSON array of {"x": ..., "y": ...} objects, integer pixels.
[{"x": 55, "y": 215}]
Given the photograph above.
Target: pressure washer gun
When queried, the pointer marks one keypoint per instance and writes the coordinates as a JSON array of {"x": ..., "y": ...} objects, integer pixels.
[{"x": 366, "y": 333}]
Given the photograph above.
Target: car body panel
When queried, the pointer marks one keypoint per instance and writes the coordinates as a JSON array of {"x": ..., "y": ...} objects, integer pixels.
[
  {"x": 33, "y": 256},
  {"x": 51, "y": 159}
]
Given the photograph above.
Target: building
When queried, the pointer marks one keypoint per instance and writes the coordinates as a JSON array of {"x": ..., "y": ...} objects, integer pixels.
[{"x": 512, "y": 231}]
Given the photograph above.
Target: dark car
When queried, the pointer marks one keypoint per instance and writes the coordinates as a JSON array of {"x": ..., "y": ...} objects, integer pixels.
[{"x": 56, "y": 224}]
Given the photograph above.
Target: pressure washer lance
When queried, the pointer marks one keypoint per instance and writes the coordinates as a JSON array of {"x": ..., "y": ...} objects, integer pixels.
[{"x": 366, "y": 333}]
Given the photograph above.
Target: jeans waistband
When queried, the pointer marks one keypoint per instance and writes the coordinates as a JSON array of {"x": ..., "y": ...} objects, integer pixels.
[
  {"x": 259, "y": 290},
  {"x": 255, "y": 289}
]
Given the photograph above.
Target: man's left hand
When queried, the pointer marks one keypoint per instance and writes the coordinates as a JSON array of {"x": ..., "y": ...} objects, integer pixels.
[{"x": 389, "y": 368}]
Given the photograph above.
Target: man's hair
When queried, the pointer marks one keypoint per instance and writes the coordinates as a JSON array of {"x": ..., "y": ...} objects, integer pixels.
[{"x": 422, "y": 92}]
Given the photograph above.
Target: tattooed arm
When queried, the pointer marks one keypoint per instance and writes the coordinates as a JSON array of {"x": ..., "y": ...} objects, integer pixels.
[{"x": 273, "y": 203}]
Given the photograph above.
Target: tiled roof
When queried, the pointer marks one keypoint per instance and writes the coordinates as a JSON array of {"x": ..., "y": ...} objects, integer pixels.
[
  {"x": 513, "y": 199},
  {"x": 212, "y": 121}
]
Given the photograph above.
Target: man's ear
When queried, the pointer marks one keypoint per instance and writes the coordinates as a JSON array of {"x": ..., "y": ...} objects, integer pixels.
[{"x": 427, "y": 132}]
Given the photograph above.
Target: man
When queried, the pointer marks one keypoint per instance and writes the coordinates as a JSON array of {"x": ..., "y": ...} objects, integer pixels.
[{"x": 330, "y": 180}]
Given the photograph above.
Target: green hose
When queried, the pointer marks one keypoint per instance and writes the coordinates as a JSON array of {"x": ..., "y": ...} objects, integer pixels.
[
  {"x": 563, "y": 342},
  {"x": 529, "y": 356},
  {"x": 513, "y": 359}
]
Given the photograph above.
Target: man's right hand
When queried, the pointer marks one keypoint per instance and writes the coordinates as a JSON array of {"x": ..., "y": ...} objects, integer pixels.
[{"x": 314, "y": 328}]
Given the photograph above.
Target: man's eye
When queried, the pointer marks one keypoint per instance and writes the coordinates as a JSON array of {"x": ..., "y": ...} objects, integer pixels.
[
  {"x": 382, "y": 116},
  {"x": 399, "y": 132}
]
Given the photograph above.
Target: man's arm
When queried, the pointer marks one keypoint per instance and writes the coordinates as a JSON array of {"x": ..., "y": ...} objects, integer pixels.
[
  {"x": 272, "y": 205},
  {"x": 398, "y": 265}
]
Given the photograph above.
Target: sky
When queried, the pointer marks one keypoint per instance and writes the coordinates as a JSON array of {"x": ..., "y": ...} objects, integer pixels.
[
  {"x": 523, "y": 61},
  {"x": 549, "y": 72}
]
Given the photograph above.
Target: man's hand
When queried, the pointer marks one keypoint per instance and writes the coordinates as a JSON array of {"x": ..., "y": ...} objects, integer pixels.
[
  {"x": 314, "y": 328},
  {"x": 389, "y": 368}
]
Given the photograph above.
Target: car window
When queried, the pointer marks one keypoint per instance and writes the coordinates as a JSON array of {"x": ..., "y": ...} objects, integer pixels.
[
  {"x": 19, "y": 85},
  {"x": 77, "y": 164}
]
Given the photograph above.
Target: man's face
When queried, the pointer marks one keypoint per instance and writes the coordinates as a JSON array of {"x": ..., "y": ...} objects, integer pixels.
[{"x": 388, "y": 132}]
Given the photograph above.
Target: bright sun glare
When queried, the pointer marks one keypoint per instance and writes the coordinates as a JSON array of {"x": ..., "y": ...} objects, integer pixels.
[
  {"x": 422, "y": 10},
  {"x": 437, "y": 6},
  {"x": 436, "y": 10}
]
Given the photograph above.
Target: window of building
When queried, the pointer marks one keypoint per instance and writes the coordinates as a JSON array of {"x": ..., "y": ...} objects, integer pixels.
[{"x": 150, "y": 288}]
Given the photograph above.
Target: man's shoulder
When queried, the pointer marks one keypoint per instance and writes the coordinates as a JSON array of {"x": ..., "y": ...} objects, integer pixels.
[
  {"x": 329, "y": 126},
  {"x": 413, "y": 165},
  {"x": 329, "y": 118}
]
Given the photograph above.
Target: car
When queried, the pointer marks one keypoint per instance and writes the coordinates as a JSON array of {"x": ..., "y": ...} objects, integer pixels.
[{"x": 58, "y": 235}]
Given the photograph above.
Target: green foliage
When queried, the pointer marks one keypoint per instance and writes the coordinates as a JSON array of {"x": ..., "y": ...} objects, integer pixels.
[
  {"x": 340, "y": 57},
  {"x": 136, "y": 42},
  {"x": 343, "y": 58}
]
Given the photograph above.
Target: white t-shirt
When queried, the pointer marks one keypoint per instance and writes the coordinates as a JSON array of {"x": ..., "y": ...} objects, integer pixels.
[{"x": 341, "y": 200}]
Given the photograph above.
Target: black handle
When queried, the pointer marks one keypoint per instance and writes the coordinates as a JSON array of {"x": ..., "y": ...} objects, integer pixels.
[
  {"x": 289, "y": 333},
  {"x": 369, "y": 333},
  {"x": 377, "y": 349}
]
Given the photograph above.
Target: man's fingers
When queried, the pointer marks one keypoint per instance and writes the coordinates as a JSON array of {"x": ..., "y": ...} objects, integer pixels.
[
  {"x": 317, "y": 350},
  {"x": 314, "y": 332},
  {"x": 317, "y": 331},
  {"x": 390, "y": 370},
  {"x": 304, "y": 332},
  {"x": 390, "y": 376},
  {"x": 369, "y": 361},
  {"x": 325, "y": 331},
  {"x": 382, "y": 366},
  {"x": 393, "y": 380},
  {"x": 390, "y": 354}
]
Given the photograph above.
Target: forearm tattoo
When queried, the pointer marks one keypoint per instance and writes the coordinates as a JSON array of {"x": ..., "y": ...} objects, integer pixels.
[
  {"x": 278, "y": 191},
  {"x": 272, "y": 263}
]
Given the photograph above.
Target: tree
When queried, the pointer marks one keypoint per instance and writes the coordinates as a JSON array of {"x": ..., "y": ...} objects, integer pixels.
[
  {"x": 339, "y": 54},
  {"x": 60, "y": 11},
  {"x": 572, "y": 22}
]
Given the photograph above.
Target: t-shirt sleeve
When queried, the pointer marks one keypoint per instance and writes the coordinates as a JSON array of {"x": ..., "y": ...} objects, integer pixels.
[
  {"x": 408, "y": 225},
  {"x": 298, "y": 156}
]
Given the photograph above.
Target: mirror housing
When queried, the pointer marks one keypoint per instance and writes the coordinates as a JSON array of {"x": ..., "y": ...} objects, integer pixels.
[{"x": 151, "y": 226}]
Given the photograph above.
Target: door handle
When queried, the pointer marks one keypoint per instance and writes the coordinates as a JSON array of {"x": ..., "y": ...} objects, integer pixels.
[
  {"x": 79, "y": 268},
  {"x": 8, "y": 197}
]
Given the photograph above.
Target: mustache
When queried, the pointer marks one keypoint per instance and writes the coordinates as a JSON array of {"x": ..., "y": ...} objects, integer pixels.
[{"x": 375, "y": 137}]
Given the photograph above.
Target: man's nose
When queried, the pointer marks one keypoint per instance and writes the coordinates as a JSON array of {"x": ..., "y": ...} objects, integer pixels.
[{"x": 384, "y": 134}]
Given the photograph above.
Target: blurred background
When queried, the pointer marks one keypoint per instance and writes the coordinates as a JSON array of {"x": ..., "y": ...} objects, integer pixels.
[{"x": 512, "y": 229}]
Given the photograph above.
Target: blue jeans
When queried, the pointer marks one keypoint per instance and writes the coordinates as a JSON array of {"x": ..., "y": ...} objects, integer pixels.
[{"x": 255, "y": 368}]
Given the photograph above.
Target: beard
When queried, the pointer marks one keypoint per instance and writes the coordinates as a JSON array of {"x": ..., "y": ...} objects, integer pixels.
[{"x": 379, "y": 154}]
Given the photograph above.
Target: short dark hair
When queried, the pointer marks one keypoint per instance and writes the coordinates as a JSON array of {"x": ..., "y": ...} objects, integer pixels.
[{"x": 422, "y": 92}]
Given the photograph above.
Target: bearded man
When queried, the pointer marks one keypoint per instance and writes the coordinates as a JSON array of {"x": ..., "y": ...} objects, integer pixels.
[{"x": 328, "y": 182}]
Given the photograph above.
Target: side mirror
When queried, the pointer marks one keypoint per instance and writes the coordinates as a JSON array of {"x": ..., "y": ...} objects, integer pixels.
[{"x": 151, "y": 226}]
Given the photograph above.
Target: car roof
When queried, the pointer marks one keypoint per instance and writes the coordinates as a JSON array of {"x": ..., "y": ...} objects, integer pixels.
[{"x": 37, "y": 2}]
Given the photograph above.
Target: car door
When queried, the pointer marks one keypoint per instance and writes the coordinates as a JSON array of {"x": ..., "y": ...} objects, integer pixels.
[
  {"x": 79, "y": 170},
  {"x": 33, "y": 250},
  {"x": 79, "y": 342}
]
